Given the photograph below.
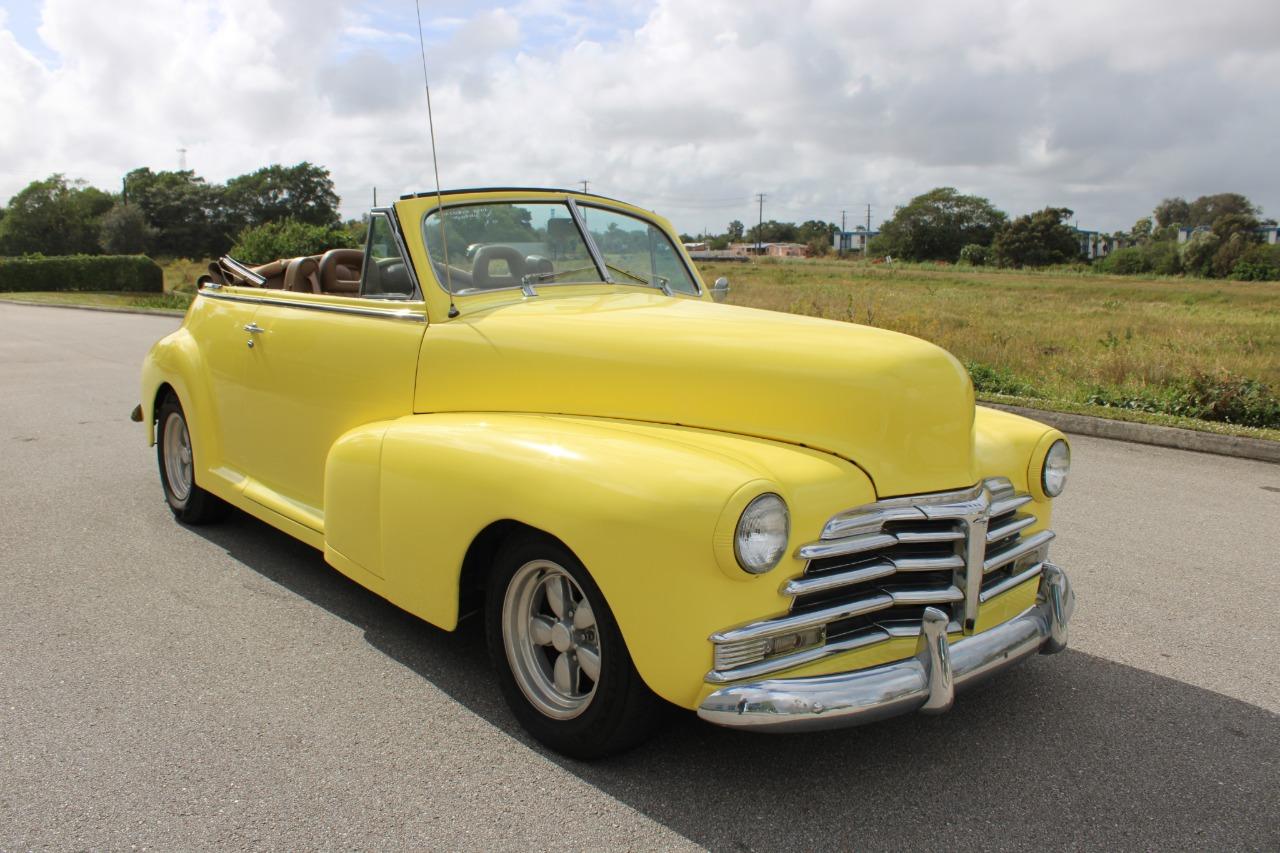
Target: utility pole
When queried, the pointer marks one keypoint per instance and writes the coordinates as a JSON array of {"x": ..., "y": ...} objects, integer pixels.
[
  {"x": 585, "y": 183},
  {"x": 760, "y": 225},
  {"x": 868, "y": 217},
  {"x": 182, "y": 159},
  {"x": 375, "y": 196},
  {"x": 843, "y": 229}
]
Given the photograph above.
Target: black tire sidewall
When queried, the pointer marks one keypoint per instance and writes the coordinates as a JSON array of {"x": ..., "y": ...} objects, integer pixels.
[
  {"x": 609, "y": 723},
  {"x": 168, "y": 407}
]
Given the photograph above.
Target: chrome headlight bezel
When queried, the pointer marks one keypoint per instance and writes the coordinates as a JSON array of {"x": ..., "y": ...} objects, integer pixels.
[
  {"x": 761, "y": 535},
  {"x": 1055, "y": 469}
]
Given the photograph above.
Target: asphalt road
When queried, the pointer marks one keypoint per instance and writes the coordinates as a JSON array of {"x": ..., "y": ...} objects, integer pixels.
[{"x": 177, "y": 688}]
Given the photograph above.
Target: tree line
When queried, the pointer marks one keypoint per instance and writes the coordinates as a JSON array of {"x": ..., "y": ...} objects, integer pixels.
[
  {"x": 279, "y": 211},
  {"x": 171, "y": 214},
  {"x": 946, "y": 225}
]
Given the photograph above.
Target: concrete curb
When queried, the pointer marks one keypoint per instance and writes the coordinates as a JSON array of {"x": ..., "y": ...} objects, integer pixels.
[
  {"x": 1160, "y": 436},
  {"x": 154, "y": 312}
]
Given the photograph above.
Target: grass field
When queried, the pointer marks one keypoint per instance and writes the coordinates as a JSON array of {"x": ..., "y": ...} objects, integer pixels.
[
  {"x": 1129, "y": 342},
  {"x": 99, "y": 299}
]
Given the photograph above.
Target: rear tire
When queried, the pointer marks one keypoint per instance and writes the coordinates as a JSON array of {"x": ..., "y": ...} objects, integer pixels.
[
  {"x": 190, "y": 503},
  {"x": 561, "y": 661}
]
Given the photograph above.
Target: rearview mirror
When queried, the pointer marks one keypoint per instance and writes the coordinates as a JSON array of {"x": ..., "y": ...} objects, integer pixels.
[{"x": 720, "y": 290}]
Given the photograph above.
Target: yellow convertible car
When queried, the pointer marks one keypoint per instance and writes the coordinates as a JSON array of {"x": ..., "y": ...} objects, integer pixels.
[{"x": 527, "y": 402}]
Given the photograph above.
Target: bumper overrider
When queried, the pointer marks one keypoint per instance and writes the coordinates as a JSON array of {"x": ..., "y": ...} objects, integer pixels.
[{"x": 926, "y": 682}]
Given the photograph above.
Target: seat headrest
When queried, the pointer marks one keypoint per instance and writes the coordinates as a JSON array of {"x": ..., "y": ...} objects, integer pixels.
[
  {"x": 301, "y": 276},
  {"x": 486, "y": 255}
]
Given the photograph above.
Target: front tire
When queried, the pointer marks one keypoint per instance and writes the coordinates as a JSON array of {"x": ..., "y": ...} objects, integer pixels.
[
  {"x": 190, "y": 503},
  {"x": 562, "y": 664}
]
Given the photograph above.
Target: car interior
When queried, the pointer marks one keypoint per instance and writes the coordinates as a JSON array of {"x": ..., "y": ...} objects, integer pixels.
[{"x": 337, "y": 272}]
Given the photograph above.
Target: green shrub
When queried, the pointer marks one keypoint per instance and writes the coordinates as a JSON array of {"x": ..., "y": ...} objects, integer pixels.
[
  {"x": 133, "y": 273},
  {"x": 998, "y": 380},
  {"x": 1162, "y": 257},
  {"x": 1206, "y": 396},
  {"x": 1231, "y": 399},
  {"x": 975, "y": 255},
  {"x": 289, "y": 238},
  {"x": 1259, "y": 263},
  {"x": 1127, "y": 261},
  {"x": 1197, "y": 253}
]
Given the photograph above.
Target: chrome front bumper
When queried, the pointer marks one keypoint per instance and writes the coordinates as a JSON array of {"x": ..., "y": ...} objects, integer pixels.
[{"x": 926, "y": 682}]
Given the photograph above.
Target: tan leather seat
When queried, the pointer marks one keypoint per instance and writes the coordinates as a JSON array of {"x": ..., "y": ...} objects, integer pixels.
[
  {"x": 340, "y": 271},
  {"x": 302, "y": 276}
]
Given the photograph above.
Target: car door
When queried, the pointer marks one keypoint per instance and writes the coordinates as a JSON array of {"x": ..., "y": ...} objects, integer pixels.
[
  {"x": 324, "y": 364},
  {"x": 220, "y": 329}
]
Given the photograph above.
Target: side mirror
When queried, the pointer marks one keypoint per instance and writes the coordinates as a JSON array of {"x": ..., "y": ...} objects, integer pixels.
[{"x": 720, "y": 290}]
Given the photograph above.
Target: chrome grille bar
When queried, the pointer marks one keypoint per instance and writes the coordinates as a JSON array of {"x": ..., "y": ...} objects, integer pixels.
[
  {"x": 788, "y": 624},
  {"x": 881, "y": 569},
  {"x": 1010, "y": 582},
  {"x": 1009, "y": 504},
  {"x": 1004, "y": 531},
  {"x": 850, "y": 545},
  {"x": 808, "y": 586},
  {"x": 1021, "y": 549},
  {"x": 946, "y": 595}
]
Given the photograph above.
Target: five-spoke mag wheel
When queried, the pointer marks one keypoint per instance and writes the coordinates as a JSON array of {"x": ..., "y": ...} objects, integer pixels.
[
  {"x": 551, "y": 639},
  {"x": 176, "y": 447}
]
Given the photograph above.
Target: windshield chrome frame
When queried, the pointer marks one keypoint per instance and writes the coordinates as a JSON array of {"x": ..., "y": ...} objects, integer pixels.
[
  {"x": 602, "y": 269},
  {"x": 596, "y": 255}
]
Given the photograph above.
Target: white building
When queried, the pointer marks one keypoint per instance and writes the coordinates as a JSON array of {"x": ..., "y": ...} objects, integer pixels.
[{"x": 852, "y": 241}]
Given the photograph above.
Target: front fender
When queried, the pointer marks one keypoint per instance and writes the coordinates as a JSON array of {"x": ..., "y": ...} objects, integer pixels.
[
  {"x": 639, "y": 504},
  {"x": 1009, "y": 445}
]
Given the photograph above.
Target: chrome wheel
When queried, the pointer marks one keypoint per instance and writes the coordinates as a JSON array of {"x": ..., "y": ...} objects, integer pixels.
[
  {"x": 551, "y": 640},
  {"x": 177, "y": 456}
]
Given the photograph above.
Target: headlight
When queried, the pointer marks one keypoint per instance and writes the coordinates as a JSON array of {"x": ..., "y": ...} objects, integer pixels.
[
  {"x": 1057, "y": 462},
  {"x": 761, "y": 537}
]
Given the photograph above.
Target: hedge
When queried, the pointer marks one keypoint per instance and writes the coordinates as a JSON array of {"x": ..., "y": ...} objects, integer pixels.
[{"x": 134, "y": 273}]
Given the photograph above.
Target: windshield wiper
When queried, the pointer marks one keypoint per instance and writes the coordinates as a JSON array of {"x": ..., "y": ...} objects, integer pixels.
[{"x": 662, "y": 283}]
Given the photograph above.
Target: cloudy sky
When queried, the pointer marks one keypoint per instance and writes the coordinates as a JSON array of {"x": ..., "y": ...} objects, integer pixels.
[{"x": 689, "y": 108}]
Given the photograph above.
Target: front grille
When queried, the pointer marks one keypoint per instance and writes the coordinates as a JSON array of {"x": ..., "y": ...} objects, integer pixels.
[{"x": 876, "y": 568}]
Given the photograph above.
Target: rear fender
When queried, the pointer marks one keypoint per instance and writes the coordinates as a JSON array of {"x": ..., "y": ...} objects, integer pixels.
[{"x": 175, "y": 361}]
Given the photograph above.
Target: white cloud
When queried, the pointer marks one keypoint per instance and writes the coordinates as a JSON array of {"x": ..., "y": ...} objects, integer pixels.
[{"x": 686, "y": 107}]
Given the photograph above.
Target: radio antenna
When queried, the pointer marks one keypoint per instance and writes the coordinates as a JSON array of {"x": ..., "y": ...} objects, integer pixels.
[{"x": 435, "y": 165}]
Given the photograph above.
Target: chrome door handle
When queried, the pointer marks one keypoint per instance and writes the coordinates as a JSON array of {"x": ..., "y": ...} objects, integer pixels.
[{"x": 254, "y": 328}]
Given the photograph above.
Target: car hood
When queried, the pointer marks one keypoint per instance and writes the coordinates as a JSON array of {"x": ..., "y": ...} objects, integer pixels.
[{"x": 897, "y": 407}]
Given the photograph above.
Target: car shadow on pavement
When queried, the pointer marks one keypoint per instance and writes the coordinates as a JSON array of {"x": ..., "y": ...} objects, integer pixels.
[{"x": 1064, "y": 751}]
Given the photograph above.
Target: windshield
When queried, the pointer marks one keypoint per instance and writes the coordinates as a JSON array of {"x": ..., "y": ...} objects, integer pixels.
[
  {"x": 497, "y": 245},
  {"x": 512, "y": 244}
]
